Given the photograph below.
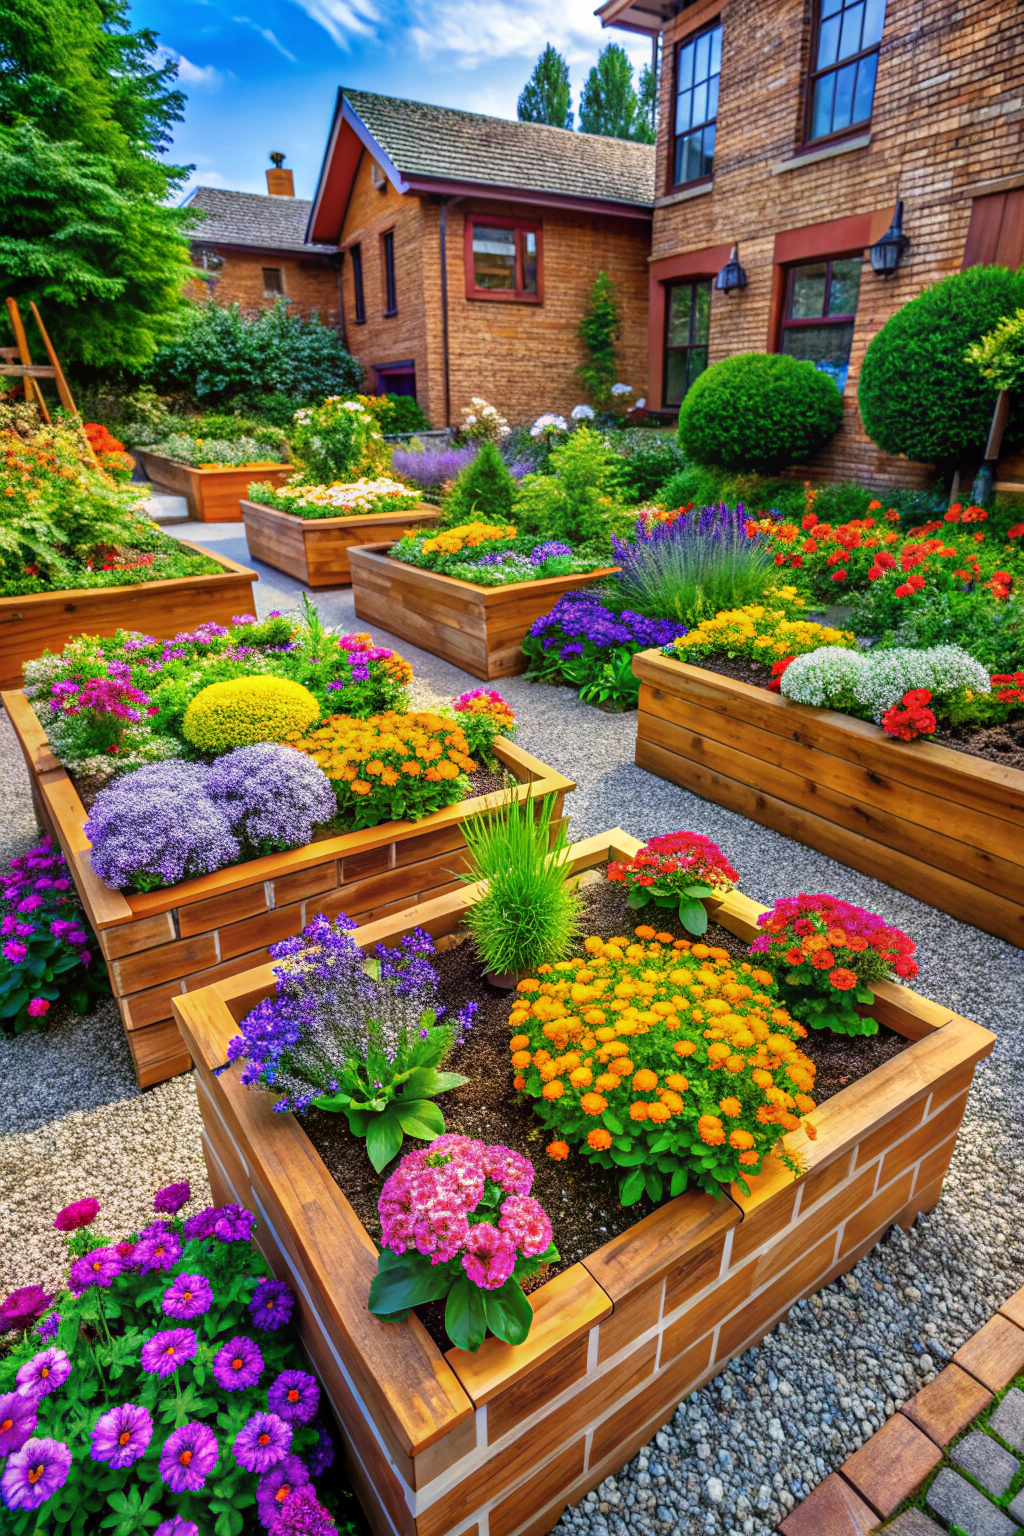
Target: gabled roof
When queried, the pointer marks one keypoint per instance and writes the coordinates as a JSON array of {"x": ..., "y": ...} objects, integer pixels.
[
  {"x": 424, "y": 148},
  {"x": 250, "y": 219}
]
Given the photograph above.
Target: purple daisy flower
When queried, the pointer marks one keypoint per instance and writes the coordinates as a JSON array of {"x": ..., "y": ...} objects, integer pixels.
[
  {"x": 272, "y": 1304},
  {"x": 238, "y": 1365},
  {"x": 262, "y": 1442},
  {"x": 23, "y": 1306},
  {"x": 294, "y": 1396},
  {"x": 172, "y": 1197},
  {"x": 200, "y": 1225},
  {"x": 302, "y": 1514},
  {"x": 157, "y": 1248},
  {"x": 188, "y": 1457},
  {"x": 188, "y": 1297},
  {"x": 80, "y": 1213},
  {"x": 121, "y": 1435},
  {"x": 17, "y": 1421},
  {"x": 177, "y": 1527},
  {"x": 47, "y": 1329},
  {"x": 233, "y": 1224},
  {"x": 164, "y": 1352},
  {"x": 99, "y": 1267},
  {"x": 44, "y": 1373},
  {"x": 275, "y": 1486},
  {"x": 322, "y": 1455},
  {"x": 35, "y": 1473}
]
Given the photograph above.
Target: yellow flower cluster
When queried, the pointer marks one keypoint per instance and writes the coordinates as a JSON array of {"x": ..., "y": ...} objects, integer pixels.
[
  {"x": 398, "y": 765},
  {"x": 667, "y": 1047},
  {"x": 246, "y": 710},
  {"x": 452, "y": 541},
  {"x": 761, "y": 631}
]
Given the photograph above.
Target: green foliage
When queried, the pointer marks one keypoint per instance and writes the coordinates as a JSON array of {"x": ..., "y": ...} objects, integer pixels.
[
  {"x": 758, "y": 411},
  {"x": 992, "y": 632},
  {"x": 546, "y": 96},
  {"x": 406, "y": 416},
  {"x": 647, "y": 99},
  {"x": 917, "y": 394},
  {"x": 219, "y": 354},
  {"x": 649, "y": 461},
  {"x": 529, "y": 914},
  {"x": 577, "y": 499},
  {"x": 483, "y": 491},
  {"x": 999, "y": 356},
  {"x": 599, "y": 330},
  {"x": 331, "y": 441},
  {"x": 608, "y": 101}
]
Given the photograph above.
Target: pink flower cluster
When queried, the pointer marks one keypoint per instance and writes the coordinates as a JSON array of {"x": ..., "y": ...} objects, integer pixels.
[
  {"x": 427, "y": 1203},
  {"x": 111, "y": 695},
  {"x": 866, "y": 942}
]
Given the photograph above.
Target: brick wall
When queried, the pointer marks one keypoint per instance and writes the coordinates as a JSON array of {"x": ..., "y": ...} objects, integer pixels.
[
  {"x": 948, "y": 119},
  {"x": 310, "y": 282}
]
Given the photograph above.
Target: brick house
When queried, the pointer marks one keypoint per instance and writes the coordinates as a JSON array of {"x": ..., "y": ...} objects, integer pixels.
[
  {"x": 253, "y": 249},
  {"x": 470, "y": 244},
  {"x": 792, "y": 130}
]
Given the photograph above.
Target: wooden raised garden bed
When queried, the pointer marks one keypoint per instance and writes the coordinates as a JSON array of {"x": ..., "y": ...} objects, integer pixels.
[
  {"x": 315, "y": 549},
  {"x": 213, "y": 495},
  {"x": 500, "y": 1442},
  {"x": 28, "y": 625},
  {"x": 480, "y": 629},
  {"x": 939, "y": 824},
  {"x": 161, "y": 944}
]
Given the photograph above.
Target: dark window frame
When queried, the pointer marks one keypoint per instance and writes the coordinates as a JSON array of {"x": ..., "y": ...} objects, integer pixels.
[
  {"x": 691, "y": 346},
  {"x": 826, "y": 318},
  {"x": 273, "y": 293},
  {"x": 703, "y": 180},
  {"x": 387, "y": 267},
  {"x": 517, "y": 295},
  {"x": 855, "y": 130},
  {"x": 356, "y": 252}
]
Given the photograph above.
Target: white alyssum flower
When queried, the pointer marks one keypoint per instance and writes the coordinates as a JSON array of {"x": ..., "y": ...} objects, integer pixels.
[
  {"x": 826, "y": 678},
  {"x": 833, "y": 678}
]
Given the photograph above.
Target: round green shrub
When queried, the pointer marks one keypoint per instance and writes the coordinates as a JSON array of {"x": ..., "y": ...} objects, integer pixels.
[
  {"x": 758, "y": 411},
  {"x": 917, "y": 394},
  {"x": 482, "y": 492},
  {"x": 247, "y": 710}
]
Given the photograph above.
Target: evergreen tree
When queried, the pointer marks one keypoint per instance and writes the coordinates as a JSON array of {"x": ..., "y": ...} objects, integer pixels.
[
  {"x": 546, "y": 97},
  {"x": 599, "y": 328},
  {"x": 482, "y": 492},
  {"x": 608, "y": 102},
  {"x": 647, "y": 101}
]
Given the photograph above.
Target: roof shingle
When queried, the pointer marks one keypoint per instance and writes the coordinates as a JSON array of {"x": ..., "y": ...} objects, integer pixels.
[{"x": 251, "y": 219}]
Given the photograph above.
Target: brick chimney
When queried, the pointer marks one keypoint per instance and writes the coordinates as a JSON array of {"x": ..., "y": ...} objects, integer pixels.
[{"x": 280, "y": 183}]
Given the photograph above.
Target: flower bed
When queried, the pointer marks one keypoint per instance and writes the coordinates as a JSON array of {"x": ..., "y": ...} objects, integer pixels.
[
  {"x": 511, "y": 1434},
  {"x": 939, "y": 824},
  {"x": 314, "y": 547},
  {"x": 214, "y": 493}
]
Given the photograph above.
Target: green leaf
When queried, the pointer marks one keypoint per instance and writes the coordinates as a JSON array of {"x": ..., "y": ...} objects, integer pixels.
[
  {"x": 420, "y": 1118},
  {"x": 384, "y": 1138},
  {"x": 638, "y": 896},
  {"x": 652, "y": 1183},
  {"x": 697, "y": 889},
  {"x": 464, "y": 1319},
  {"x": 508, "y": 1312},
  {"x": 864, "y": 995},
  {"x": 426, "y": 1083},
  {"x": 679, "y": 1182},
  {"x": 405, "y": 1280},
  {"x": 612, "y": 1123},
  {"x": 333, "y": 1103},
  {"x": 632, "y": 1187},
  {"x": 693, "y": 917}
]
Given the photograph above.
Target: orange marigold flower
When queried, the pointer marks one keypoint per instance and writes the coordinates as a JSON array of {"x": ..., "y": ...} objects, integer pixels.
[
  {"x": 645, "y": 1081},
  {"x": 734, "y": 1064},
  {"x": 518, "y": 1042},
  {"x": 762, "y": 1078},
  {"x": 599, "y": 1139},
  {"x": 731, "y": 1107},
  {"x": 554, "y": 1089},
  {"x": 803, "y": 1103},
  {"x": 684, "y": 1047},
  {"x": 659, "y": 1113},
  {"x": 711, "y": 1130},
  {"x": 741, "y": 1140},
  {"x": 841, "y": 978},
  {"x": 672, "y": 1102},
  {"x": 519, "y": 1082},
  {"x": 581, "y": 1077},
  {"x": 644, "y": 932},
  {"x": 558, "y": 1151},
  {"x": 748, "y": 1159},
  {"x": 593, "y": 1103},
  {"x": 520, "y": 1059},
  {"x": 638, "y": 1110},
  {"x": 529, "y": 985},
  {"x": 719, "y": 1051},
  {"x": 677, "y": 1082},
  {"x": 607, "y": 1081}
]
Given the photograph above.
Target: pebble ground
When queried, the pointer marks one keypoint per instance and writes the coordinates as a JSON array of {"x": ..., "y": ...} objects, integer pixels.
[{"x": 747, "y": 1447}]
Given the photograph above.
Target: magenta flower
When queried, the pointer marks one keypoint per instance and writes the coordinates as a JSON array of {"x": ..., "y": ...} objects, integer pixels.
[
  {"x": 272, "y": 1304},
  {"x": 188, "y": 1297},
  {"x": 99, "y": 1267},
  {"x": 294, "y": 1396},
  {"x": 233, "y": 1224},
  {"x": 17, "y": 1421},
  {"x": 302, "y": 1514},
  {"x": 489, "y": 1256},
  {"x": 509, "y": 1169},
  {"x": 15, "y": 951},
  {"x": 177, "y": 1527},
  {"x": 22, "y": 1307},
  {"x": 262, "y": 1442},
  {"x": 44, "y": 1373},
  {"x": 164, "y": 1352},
  {"x": 157, "y": 1248},
  {"x": 322, "y": 1455},
  {"x": 238, "y": 1365},
  {"x": 35, "y": 1473},
  {"x": 121, "y": 1435},
  {"x": 172, "y": 1197},
  {"x": 275, "y": 1486},
  {"x": 525, "y": 1222},
  {"x": 188, "y": 1457},
  {"x": 80, "y": 1213},
  {"x": 37, "y": 1008},
  {"x": 200, "y": 1225}
]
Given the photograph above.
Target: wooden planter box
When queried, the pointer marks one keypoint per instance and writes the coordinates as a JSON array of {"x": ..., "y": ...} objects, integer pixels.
[
  {"x": 213, "y": 495},
  {"x": 315, "y": 549},
  {"x": 500, "y": 1442},
  {"x": 28, "y": 625},
  {"x": 939, "y": 824},
  {"x": 161, "y": 944},
  {"x": 480, "y": 629}
]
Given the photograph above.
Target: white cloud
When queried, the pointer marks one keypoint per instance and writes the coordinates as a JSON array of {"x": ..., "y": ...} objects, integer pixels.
[
  {"x": 196, "y": 77},
  {"x": 472, "y": 32},
  {"x": 267, "y": 35},
  {"x": 343, "y": 19}
]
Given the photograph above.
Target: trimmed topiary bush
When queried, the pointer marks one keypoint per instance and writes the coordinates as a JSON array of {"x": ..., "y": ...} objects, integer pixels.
[
  {"x": 758, "y": 411},
  {"x": 917, "y": 394},
  {"x": 483, "y": 490},
  {"x": 247, "y": 710}
]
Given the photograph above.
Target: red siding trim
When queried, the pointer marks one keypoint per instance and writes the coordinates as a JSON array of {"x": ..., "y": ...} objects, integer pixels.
[
  {"x": 833, "y": 238},
  {"x": 996, "y": 233}
]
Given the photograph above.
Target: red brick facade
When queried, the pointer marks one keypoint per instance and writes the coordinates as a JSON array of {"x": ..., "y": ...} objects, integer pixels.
[{"x": 307, "y": 282}]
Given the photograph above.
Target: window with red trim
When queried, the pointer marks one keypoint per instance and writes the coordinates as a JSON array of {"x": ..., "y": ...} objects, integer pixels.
[
  {"x": 503, "y": 259},
  {"x": 698, "y": 67},
  {"x": 821, "y": 308},
  {"x": 844, "y": 63}
]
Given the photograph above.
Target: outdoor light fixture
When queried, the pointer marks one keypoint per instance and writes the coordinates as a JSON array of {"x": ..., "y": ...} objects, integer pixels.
[
  {"x": 732, "y": 274},
  {"x": 887, "y": 253}
]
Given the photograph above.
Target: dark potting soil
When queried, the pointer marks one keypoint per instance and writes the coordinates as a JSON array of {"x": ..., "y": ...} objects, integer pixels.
[
  {"x": 757, "y": 673},
  {"x": 581, "y": 1199}
]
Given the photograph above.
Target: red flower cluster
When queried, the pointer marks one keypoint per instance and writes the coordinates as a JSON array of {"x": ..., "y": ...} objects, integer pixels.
[
  {"x": 100, "y": 440},
  {"x": 686, "y": 853},
  {"x": 1008, "y": 687},
  {"x": 834, "y": 938},
  {"x": 911, "y": 719},
  {"x": 778, "y": 667}
]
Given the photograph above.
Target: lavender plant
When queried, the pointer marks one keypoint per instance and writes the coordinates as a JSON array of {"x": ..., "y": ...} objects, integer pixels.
[
  {"x": 359, "y": 1035},
  {"x": 692, "y": 567}
]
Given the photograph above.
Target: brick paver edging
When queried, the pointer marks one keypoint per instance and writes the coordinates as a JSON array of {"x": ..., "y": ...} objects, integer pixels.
[{"x": 890, "y": 1467}]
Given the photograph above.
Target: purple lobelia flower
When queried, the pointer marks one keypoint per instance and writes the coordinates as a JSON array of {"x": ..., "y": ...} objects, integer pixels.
[
  {"x": 321, "y": 1457},
  {"x": 176, "y": 1526},
  {"x": 272, "y": 1304},
  {"x": 121, "y": 1435},
  {"x": 17, "y": 1421},
  {"x": 200, "y": 1226},
  {"x": 44, "y": 1373},
  {"x": 271, "y": 795},
  {"x": 80, "y": 1213},
  {"x": 35, "y": 1473},
  {"x": 262, "y": 1442},
  {"x": 47, "y": 1329},
  {"x": 551, "y": 550},
  {"x": 172, "y": 1197},
  {"x": 233, "y": 1224},
  {"x": 302, "y": 1514},
  {"x": 101, "y": 1266},
  {"x": 165, "y": 1351},
  {"x": 188, "y": 1457},
  {"x": 157, "y": 1248},
  {"x": 189, "y": 1296},
  {"x": 158, "y": 826},
  {"x": 238, "y": 1365},
  {"x": 276, "y": 1485},
  {"x": 294, "y": 1396},
  {"x": 21, "y": 1308}
]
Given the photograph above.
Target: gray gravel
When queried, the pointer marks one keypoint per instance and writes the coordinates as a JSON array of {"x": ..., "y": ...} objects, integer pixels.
[{"x": 742, "y": 1451}]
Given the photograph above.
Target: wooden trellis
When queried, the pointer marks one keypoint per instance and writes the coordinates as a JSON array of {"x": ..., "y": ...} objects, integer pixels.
[{"x": 16, "y": 362}]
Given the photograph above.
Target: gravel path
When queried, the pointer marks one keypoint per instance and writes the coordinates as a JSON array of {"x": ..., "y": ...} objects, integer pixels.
[{"x": 757, "y": 1439}]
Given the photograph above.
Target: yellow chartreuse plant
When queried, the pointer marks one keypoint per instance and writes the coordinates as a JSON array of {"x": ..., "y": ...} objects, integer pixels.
[
  {"x": 246, "y": 710},
  {"x": 762, "y": 631},
  {"x": 452, "y": 541}
]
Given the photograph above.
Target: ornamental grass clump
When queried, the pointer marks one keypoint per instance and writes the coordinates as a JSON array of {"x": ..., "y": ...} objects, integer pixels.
[
  {"x": 162, "y": 1387},
  {"x": 676, "y": 870},
  {"x": 529, "y": 912},
  {"x": 246, "y": 710},
  {"x": 664, "y": 1061},
  {"x": 48, "y": 951},
  {"x": 825, "y": 954},
  {"x": 692, "y": 567},
  {"x": 356, "y": 1035},
  {"x": 458, "y": 1222}
]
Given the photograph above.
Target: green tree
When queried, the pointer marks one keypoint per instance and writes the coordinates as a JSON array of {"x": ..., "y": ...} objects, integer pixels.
[
  {"x": 599, "y": 330},
  {"x": 546, "y": 97},
  {"x": 608, "y": 101},
  {"x": 482, "y": 492},
  {"x": 647, "y": 101}
]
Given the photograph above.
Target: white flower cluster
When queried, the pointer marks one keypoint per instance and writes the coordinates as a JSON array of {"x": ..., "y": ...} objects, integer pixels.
[
  {"x": 549, "y": 422},
  {"x": 483, "y": 423},
  {"x": 874, "y": 681},
  {"x": 582, "y": 413},
  {"x": 356, "y": 496},
  {"x": 622, "y": 389}
]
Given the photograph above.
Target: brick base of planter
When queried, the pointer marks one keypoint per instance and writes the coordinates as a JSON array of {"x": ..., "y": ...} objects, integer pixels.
[{"x": 870, "y": 1486}]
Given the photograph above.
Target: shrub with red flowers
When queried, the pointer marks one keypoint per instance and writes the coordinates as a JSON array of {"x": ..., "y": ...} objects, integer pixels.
[
  {"x": 162, "y": 1387},
  {"x": 675, "y": 870},
  {"x": 47, "y": 949},
  {"x": 825, "y": 954},
  {"x": 458, "y": 1221},
  {"x": 912, "y": 717},
  {"x": 110, "y": 453}
]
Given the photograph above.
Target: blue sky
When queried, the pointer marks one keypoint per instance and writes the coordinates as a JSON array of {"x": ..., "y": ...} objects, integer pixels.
[{"x": 261, "y": 75}]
